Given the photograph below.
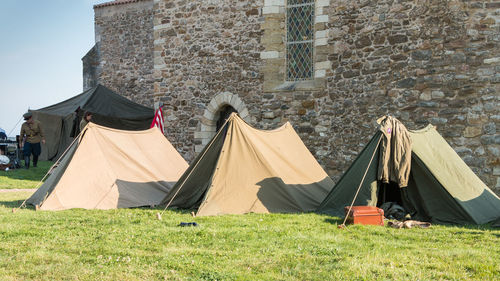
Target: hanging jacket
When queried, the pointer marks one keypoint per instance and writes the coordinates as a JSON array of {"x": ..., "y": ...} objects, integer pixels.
[{"x": 395, "y": 152}]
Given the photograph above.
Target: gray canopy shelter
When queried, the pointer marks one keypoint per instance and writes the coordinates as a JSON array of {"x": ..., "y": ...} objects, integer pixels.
[
  {"x": 60, "y": 121},
  {"x": 441, "y": 187}
]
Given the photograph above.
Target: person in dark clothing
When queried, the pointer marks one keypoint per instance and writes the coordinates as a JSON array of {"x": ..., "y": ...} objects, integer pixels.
[
  {"x": 85, "y": 120},
  {"x": 31, "y": 135},
  {"x": 3, "y": 136}
]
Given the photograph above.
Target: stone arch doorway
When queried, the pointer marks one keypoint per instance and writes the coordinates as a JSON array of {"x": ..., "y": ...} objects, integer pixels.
[
  {"x": 224, "y": 113},
  {"x": 216, "y": 113}
]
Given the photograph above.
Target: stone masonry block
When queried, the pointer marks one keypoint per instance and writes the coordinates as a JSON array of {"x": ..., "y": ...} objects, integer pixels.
[
  {"x": 205, "y": 141},
  {"x": 268, "y": 3},
  {"x": 199, "y": 148},
  {"x": 323, "y": 65},
  {"x": 244, "y": 113},
  {"x": 492, "y": 60},
  {"x": 321, "y": 42},
  {"x": 320, "y": 73},
  {"x": 211, "y": 108},
  {"x": 207, "y": 128},
  {"x": 203, "y": 135},
  {"x": 321, "y": 34},
  {"x": 213, "y": 103},
  {"x": 271, "y": 10},
  {"x": 162, "y": 26},
  {"x": 208, "y": 122},
  {"x": 208, "y": 115},
  {"x": 269, "y": 55},
  {"x": 321, "y": 18},
  {"x": 158, "y": 67},
  {"x": 219, "y": 99},
  {"x": 235, "y": 101},
  {"x": 227, "y": 97},
  {"x": 322, "y": 3},
  {"x": 240, "y": 106},
  {"x": 160, "y": 41}
]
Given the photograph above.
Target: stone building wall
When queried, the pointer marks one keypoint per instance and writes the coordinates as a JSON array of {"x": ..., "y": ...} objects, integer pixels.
[
  {"x": 124, "y": 37},
  {"x": 203, "y": 49},
  {"x": 91, "y": 62},
  {"x": 426, "y": 61},
  {"x": 423, "y": 61}
]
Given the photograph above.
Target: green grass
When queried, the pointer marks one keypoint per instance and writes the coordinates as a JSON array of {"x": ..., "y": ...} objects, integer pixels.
[
  {"x": 22, "y": 178},
  {"x": 131, "y": 244}
]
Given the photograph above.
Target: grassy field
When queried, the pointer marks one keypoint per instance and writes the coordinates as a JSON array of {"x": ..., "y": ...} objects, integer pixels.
[
  {"x": 131, "y": 244},
  {"x": 22, "y": 178}
]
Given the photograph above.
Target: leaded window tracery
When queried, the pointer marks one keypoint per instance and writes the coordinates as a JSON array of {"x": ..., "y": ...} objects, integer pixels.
[{"x": 299, "y": 40}]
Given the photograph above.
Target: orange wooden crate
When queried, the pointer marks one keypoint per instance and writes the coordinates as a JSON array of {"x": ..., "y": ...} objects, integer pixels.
[{"x": 365, "y": 215}]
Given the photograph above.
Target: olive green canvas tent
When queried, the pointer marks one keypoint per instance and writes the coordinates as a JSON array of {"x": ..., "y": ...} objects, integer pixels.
[
  {"x": 245, "y": 170},
  {"x": 109, "y": 168},
  {"x": 60, "y": 121},
  {"x": 441, "y": 187}
]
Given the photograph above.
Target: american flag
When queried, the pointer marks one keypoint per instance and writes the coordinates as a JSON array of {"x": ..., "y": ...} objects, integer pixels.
[{"x": 158, "y": 120}]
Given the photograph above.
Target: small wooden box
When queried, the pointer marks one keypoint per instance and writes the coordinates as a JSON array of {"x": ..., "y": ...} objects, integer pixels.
[{"x": 365, "y": 215}]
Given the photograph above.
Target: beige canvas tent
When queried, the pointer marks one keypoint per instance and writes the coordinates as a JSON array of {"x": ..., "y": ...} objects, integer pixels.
[
  {"x": 110, "y": 168},
  {"x": 245, "y": 170}
]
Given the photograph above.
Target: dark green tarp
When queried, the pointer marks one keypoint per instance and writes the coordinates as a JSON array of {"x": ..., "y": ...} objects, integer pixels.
[
  {"x": 60, "y": 121},
  {"x": 441, "y": 188}
]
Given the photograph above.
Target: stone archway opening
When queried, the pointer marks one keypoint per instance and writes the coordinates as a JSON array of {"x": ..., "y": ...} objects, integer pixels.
[
  {"x": 224, "y": 113},
  {"x": 216, "y": 114}
]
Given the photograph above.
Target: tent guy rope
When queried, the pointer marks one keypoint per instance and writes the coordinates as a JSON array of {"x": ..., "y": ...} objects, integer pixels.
[
  {"x": 158, "y": 215},
  {"x": 49, "y": 172},
  {"x": 15, "y": 126},
  {"x": 343, "y": 226}
]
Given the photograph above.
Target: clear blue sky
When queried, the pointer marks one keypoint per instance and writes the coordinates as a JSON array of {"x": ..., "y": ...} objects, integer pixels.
[{"x": 42, "y": 43}]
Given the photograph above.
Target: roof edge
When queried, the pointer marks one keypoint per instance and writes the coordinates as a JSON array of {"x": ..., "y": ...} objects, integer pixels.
[{"x": 116, "y": 2}]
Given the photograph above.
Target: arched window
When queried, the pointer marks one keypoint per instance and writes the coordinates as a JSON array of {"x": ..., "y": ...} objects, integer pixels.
[{"x": 299, "y": 40}]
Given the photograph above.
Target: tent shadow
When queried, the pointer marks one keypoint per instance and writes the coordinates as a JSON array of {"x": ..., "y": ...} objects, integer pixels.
[
  {"x": 142, "y": 194},
  {"x": 160, "y": 208},
  {"x": 279, "y": 197},
  {"x": 471, "y": 227},
  {"x": 486, "y": 198},
  {"x": 334, "y": 220},
  {"x": 178, "y": 211},
  {"x": 15, "y": 204}
]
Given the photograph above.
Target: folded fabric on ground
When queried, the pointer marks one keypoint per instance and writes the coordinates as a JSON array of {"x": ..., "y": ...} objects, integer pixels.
[{"x": 409, "y": 224}]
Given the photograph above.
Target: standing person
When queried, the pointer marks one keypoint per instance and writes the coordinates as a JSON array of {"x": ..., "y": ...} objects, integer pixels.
[
  {"x": 85, "y": 120},
  {"x": 30, "y": 137},
  {"x": 2, "y": 134}
]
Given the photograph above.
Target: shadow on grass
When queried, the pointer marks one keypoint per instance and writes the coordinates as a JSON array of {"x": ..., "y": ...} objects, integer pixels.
[
  {"x": 15, "y": 204},
  {"x": 469, "y": 229},
  {"x": 331, "y": 219},
  {"x": 481, "y": 227},
  {"x": 162, "y": 207},
  {"x": 335, "y": 221}
]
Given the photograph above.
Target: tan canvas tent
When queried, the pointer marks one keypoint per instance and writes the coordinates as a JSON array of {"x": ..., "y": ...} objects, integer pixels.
[
  {"x": 110, "y": 168},
  {"x": 245, "y": 170}
]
